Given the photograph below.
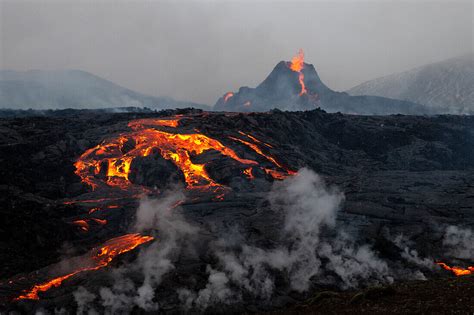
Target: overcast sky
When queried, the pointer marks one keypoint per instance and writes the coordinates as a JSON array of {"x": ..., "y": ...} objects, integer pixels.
[{"x": 198, "y": 50}]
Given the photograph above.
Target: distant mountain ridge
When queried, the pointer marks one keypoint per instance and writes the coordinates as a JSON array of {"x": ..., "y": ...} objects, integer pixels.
[
  {"x": 60, "y": 89},
  {"x": 282, "y": 89},
  {"x": 446, "y": 85}
]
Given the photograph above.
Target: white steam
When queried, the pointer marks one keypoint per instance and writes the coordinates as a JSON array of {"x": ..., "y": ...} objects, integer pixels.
[
  {"x": 308, "y": 207},
  {"x": 460, "y": 242},
  {"x": 84, "y": 301},
  {"x": 310, "y": 248},
  {"x": 154, "y": 261},
  {"x": 411, "y": 255}
]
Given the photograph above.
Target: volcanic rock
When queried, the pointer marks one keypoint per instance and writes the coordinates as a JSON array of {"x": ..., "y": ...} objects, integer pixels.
[{"x": 408, "y": 175}]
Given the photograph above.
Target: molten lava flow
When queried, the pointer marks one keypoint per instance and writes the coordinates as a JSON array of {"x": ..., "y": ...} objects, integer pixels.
[
  {"x": 256, "y": 149},
  {"x": 33, "y": 293},
  {"x": 114, "y": 161},
  {"x": 276, "y": 174},
  {"x": 100, "y": 200},
  {"x": 99, "y": 258},
  {"x": 273, "y": 173},
  {"x": 248, "y": 173},
  {"x": 297, "y": 65},
  {"x": 167, "y": 122},
  {"x": 94, "y": 210},
  {"x": 254, "y": 139},
  {"x": 82, "y": 224},
  {"x": 458, "y": 271},
  {"x": 117, "y": 169},
  {"x": 227, "y": 96},
  {"x": 99, "y": 221}
]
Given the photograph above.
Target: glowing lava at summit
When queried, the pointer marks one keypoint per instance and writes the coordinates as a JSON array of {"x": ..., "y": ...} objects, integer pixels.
[
  {"x": 297, "y": 64},
  {"x": 227, "y": 96}
]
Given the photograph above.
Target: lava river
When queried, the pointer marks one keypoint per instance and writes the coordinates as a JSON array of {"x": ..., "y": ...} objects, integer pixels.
[{"x": 96, "y": 259}]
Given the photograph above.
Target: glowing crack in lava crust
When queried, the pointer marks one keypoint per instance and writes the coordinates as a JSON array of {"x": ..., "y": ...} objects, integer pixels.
[
  {"x": 110, "y": 162},
  {"x": 98, "y": 258},
  {"x": 297, "y": 64}
]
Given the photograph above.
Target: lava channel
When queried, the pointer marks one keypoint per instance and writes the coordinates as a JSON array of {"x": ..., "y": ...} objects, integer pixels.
[{"x": 96, "y": 259}]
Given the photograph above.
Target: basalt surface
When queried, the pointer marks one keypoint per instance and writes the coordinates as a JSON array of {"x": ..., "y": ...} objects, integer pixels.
[{"x": 408, "y": 174}]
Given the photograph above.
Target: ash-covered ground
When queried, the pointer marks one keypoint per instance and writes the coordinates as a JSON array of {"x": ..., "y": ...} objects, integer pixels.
[{"x": 289, "y": 204}]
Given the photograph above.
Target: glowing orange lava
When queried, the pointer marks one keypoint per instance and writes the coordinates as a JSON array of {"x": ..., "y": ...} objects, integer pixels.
[
  {"x": 167, "y": 122},
  {"x": 99, "y": 221},
  {"x": 227, "y": 96},
  {"x": 297, "y": 64},
  {"x": 178, "y": 148},
  {"x": 248, "y": 173},
  {"x": 275, "y": 174},
  {"x": 254, "y": 139},
  {"x": 100, "y": 200},
  {"x": 82, "y": 224},
  {"x": 94, "y": 210},
  {"x": 458, "y": 271},
  {"x": 99, "y": 258}
]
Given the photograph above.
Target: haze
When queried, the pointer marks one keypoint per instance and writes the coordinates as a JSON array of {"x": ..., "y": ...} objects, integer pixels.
[{"x": 199, "y": 50}]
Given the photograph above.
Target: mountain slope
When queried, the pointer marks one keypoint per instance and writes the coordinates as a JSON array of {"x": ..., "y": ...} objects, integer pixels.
[
  {"x": 287, "y": 89},
  {"x": 61, "y": 89},
  {"x": 447, "y": 84}
]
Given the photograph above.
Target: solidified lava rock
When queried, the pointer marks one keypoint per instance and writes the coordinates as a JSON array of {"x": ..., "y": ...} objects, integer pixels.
[
  {"x": 407, "y": 173},
  {"x": 155, "y": 171}
]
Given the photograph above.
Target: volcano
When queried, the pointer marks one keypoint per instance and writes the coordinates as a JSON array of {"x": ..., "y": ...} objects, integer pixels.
[{"x": 295, "y": 85}]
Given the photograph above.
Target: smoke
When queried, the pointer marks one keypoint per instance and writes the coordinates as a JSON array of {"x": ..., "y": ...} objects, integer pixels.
[
  {"x": 460, "y": 242},
  {"x": 174, "y": 233},
  {"x": 308, "y": 248},
  {"x": 84, "y": 301},
  {"x": 303, "y": 256},
  {"x": 411, "y": 255},
  {"x": 162, "y": 218},
  {"x": 353, "y": 264},
  {"x": 216, "y": 291}
]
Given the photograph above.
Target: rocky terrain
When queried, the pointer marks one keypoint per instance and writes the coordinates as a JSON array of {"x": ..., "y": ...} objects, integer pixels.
[
  {"x": 395, "y": 184},
  {"x": 437, "y": 296},
  {"x": 446, "y": 85}
]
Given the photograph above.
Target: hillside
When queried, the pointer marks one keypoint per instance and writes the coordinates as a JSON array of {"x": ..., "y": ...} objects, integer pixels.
[
  {"x": 38, "y": 89},
  {"x": 447, "y": 85}
]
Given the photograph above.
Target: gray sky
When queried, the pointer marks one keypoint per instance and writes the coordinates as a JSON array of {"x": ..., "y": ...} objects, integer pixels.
[{"x": 198, "y": 50}]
